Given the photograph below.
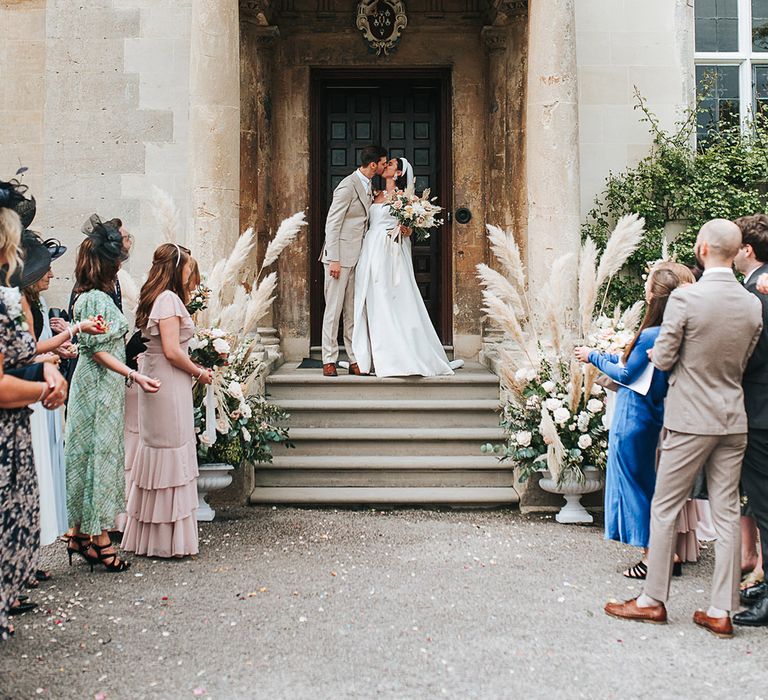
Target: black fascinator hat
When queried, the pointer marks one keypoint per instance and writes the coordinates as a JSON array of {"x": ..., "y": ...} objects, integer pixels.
[
  {"x": 55, "y": 248},
  {"x": 13, "y": 196},
  {"x": 37, "y": 261},
  {"x": 106, "y": 238}
]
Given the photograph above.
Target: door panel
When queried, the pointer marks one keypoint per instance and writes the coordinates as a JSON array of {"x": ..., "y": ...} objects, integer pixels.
[{"x": 405, "y": 117}]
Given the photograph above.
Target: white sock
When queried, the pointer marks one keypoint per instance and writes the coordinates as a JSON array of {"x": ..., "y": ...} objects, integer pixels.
[
  {"x": 716, "y": 612},
  {"x": 645, "y": 601}
]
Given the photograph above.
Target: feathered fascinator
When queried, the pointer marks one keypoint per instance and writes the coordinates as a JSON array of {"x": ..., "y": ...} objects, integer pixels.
[
  {"x": 107, "y": 239},
  {"x": 13, "y": 196}
]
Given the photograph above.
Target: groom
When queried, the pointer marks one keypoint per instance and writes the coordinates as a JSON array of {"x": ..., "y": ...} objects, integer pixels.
[{"x": 344, "y": 230}]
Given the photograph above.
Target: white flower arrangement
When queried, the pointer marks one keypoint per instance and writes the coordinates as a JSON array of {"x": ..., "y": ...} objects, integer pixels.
[{"x": 12, "y": 299}]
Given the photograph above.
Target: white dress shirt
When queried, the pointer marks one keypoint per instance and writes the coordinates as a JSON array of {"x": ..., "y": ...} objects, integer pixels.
[
  {"x": 712, "y": 270},
  {"x": 366, "y": 182}
]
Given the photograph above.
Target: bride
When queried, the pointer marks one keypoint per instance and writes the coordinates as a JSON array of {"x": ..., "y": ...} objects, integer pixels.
[{"x": 392, "y": 331}]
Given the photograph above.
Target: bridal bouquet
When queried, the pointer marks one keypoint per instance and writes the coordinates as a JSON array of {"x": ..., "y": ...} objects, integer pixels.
[
  {"x": 613, "y": 334},
  {"x": 11, "y": 297},
  {"x": 414, "y": 212},
  {"x": 210, "y": 348}
]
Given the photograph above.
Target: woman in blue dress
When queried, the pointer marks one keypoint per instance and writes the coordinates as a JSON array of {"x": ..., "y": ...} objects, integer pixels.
[{"x": 630, "y": 477}]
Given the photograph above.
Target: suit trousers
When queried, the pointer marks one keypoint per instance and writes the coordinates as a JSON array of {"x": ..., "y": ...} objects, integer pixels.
[
  {"x": 339, "y": 297},
  {"x": 682, "y": 455},
  {"x": 754, "y": 479}
]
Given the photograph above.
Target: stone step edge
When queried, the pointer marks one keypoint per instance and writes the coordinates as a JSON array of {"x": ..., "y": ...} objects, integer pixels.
[
  {"x": 384, "y": 463},
  {"x": 441, "y": 405},
  {"x": 416, "y": 495},
  {"x": 292, "y": 378},
  {"x": 396, "y": 434}
]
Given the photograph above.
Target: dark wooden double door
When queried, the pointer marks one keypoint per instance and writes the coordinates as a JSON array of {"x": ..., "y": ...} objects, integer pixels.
[{"x": 405, "y": 113}]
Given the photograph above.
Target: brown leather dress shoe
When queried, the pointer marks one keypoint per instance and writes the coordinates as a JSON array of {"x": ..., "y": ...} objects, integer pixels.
[
  {"x": 629, "y": 610},
  {"x": 355, "y": 369},
  {"x": 719, "y": 626},
  {"x": 329, "y": 370}
]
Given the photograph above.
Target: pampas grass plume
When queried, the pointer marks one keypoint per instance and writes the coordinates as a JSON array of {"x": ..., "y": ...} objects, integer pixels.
[
  {"x": 507, "y": 252},
  {"x": 167, "y": 215},
  {"x": 555, "y": 448},
  {"x": 632, "y": 316},
  {"x": 624, "y": 240},
  {"x": 588, "y": 287},
  {"x": 286, "y": 234},
  {"x": 501, "y": 287}
]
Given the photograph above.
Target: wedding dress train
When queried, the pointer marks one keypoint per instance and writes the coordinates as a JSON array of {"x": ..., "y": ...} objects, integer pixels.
[{"x": 393, "y": 331}]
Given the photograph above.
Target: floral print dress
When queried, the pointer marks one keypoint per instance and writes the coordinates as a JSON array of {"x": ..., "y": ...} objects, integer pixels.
[
  {"x": 19, "y": 514},
  {"x": 94, "y": 444}
]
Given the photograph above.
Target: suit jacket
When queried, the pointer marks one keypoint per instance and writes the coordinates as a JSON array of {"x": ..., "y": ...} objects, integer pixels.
[
  {"x": 347, "y": 222},
  {"x": 709, "y": 331},
  {"x": 756, "y": 375}
]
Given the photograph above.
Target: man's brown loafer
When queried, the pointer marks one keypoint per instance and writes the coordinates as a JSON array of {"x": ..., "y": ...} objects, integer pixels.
[
  {"x": 719, "y": 626},
  {"x": 329, "y": 370},
  {"x": 355, "y": 369},
  {"x": 629, "y": 610}
]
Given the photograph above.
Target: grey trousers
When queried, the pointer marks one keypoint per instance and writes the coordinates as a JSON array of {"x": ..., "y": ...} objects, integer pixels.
[
  {"x": 339, "y": 296},
  {"x": 682, "y": 455}
]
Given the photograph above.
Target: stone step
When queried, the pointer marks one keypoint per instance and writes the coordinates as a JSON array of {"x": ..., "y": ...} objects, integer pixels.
[
  {"x": 316, "y": 352},
  {"x": 288, "y": 460},
  {"x": 392, "y": 441},
  {"x": 468, "y": 383},
  {"x": 410, "y": 478},
  {"x": 390, "y": 413},
  {"x": 393, "y": 495}
]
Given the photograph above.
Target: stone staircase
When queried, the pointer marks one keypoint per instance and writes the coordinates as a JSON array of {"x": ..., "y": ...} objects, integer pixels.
[{"x": 365, "y": 440}]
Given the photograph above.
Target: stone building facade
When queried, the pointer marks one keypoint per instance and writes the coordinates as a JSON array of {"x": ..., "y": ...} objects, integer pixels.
[{"x": 246, "y": 111}]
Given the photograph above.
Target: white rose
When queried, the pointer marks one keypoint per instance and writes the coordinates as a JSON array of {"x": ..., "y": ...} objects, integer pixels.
[
  {"x": 548, "y": 386},
  {"x": 235, "y": 389},
  {"x": 221, "y": 346},
  {"x": 597, "y": 390},
  {"x": 531, "y": 374},
  {"x": 246, "y": 435},
  {"x": 561, "y": 416},
  {"x": 523, "y": 438},
  {"x": 594, "y": 405},
  {"x": 195, "y": 343},
  {"x": 585, "y": 442},
  {"x": 245, "y": 409},
  {"x": 553, "y": 404},
  {"x": 217, "y": 333},
  {"x": 583, "y": 422}
]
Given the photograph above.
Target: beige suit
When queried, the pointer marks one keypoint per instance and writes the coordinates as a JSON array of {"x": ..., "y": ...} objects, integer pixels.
[
  {"x": 709, "y": 331},
  {"x": 345, "y": 228}
]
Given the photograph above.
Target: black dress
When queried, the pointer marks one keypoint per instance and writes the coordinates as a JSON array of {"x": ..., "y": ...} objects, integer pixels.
[{"x": 19, "y": 500}]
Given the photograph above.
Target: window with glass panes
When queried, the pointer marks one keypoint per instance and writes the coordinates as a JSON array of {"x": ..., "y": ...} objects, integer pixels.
[{"x": 731, "y": 60}]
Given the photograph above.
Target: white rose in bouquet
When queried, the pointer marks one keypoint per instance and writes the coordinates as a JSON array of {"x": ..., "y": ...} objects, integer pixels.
[
  {"x": 525, "y": 374},
  {"x": 585, "y": 442},
  {"x": 523, "y": 438},
  {"x": 594, "y": 406},
  {"x": 583, "y": 422},
  {"x": 245, "y": 409},
  {"x": 196, "y": 343},
  {"x": 217, "y": 333},
  {"x": 561, "y": 416},
  {"x": 533, "y": 402},
  {"x": 235, "y": 390},
  {"x": 596, "y": 390},
  {"x": 246, "y": 434},
  {"x": 553, "y": 404},
  {"x": 548, "y": 386},
  {"x": 221, "y": 346}
]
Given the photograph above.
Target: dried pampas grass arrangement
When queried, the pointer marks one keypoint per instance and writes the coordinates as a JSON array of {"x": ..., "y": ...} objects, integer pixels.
[
  {"x": 623, "y": 241},
  {"x": 286, "y": 234},
  {"x": 167, "y": 215},
  {"x": 588, "y": 287},
  {"x": 555, "y": 448}
]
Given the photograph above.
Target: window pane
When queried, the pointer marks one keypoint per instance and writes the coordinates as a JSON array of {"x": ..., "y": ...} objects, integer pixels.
[
  {"x": 720, "y": 107},
  {"x": 760, "y": 89},
  {"x": 717, "y": 26},
  {"x": 760, "y": 25}
]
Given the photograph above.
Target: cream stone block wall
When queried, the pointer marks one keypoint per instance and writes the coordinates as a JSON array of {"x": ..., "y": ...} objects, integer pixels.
[
  {"x": 97, "y": 107},
  {"x": 622, "y": 44}
]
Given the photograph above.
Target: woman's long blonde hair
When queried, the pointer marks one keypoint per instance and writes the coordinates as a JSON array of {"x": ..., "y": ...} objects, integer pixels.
[{"x": 10, "y": 240}]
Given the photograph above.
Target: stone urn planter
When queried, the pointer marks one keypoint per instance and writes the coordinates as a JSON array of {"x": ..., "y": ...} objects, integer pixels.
[
  {"x": 572, "y": 489},
  {"x": 213, "y": 477}
]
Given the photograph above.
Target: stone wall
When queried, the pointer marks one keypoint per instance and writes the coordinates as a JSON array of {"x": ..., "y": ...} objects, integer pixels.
[
  {"x": 101, "y": 115},
  {"x": 622, "y": 44}
]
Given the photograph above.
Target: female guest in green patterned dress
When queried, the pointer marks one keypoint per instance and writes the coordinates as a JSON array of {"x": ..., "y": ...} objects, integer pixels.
[{"x": 94, "y": 445}]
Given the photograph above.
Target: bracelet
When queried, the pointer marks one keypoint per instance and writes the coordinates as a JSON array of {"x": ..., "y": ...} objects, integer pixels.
[
  {"x": 129, "y": 378},
  {"x": 200, "y": 373}
]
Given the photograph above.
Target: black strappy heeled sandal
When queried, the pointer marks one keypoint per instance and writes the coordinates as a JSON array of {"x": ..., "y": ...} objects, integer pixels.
[
  {"x": 109, "y": 560},
  {"x": 637, "y": 572},
  {"x": 78, "y": 545}
]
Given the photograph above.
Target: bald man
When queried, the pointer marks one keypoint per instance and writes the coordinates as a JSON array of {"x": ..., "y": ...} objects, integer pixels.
[{"x": 709, "y": 332}]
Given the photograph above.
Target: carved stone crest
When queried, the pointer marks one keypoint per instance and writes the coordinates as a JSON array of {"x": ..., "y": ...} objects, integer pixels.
[{"x": 381, "y": 22}]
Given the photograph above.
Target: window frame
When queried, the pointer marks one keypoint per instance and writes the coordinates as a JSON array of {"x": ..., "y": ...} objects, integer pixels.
[{"x": 745, "y": 58}]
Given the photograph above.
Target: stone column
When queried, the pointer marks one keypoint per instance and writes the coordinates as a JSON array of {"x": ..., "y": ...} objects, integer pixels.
[
  {"x": 552, "y": 136},
  {"x": 214, "y": 127}
]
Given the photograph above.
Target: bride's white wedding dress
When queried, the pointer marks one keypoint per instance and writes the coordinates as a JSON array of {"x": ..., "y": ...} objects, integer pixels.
[{"x": 393, "y": 331}]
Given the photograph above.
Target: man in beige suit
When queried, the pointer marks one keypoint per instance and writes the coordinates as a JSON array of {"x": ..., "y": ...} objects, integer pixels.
[
  {"x": 709, "y": 332},
  {"x": 345, "y": 228}
]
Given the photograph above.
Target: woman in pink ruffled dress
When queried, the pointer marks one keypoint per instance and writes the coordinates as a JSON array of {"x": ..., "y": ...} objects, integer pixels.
[{"x": 162, "y": 504}]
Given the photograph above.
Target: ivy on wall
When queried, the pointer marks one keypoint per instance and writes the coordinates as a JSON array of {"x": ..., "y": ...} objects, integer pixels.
[{"x": 724, "y": 176}]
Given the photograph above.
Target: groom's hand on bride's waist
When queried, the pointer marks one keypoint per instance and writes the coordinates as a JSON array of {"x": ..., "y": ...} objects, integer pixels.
[{"x": 334, "y": 269}]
